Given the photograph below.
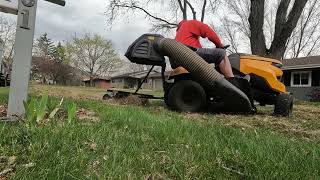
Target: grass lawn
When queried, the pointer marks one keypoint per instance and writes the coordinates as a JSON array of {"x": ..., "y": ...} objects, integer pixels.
[{"x": 135, "y": 142}]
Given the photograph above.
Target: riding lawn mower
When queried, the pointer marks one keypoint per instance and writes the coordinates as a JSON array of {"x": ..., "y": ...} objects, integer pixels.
[{"x": 196, "y": 86}]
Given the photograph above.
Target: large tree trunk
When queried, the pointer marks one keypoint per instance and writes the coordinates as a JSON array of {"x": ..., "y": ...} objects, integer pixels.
[
  {"x": 285, "y": 26},
  {"x": 256, "y": 19}
]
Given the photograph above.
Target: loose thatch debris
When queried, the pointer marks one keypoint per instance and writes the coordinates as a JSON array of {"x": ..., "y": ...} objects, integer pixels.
[
  {"x": 155, "y": 176},
  {"x": 86, "y": 115},
  {"x": 304, "y": 121},
  {"x": 7, "y": 166},
  {"x": 3, "y": 110},
  {"x": 131, "y": 100}
]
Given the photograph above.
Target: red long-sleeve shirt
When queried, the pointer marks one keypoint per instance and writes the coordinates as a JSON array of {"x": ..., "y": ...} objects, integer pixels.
[{"x": 189, "y": 32}]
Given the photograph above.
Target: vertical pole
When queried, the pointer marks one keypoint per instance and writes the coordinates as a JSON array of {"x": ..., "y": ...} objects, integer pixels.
[
  {"x": 1, "y": 54},
  {"x": 22, "y": 59}
]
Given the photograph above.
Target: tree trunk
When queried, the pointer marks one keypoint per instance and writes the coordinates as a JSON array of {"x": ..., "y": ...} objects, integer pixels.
[
  {"x": 203, "y": 10},
  {"x": 256, "y": 20},
  {"x": 285, "y": 26},
  {"x": 185, "y": 9},
  {"x": 91, "y": 81},
  {"x": 5, "y": 80}
]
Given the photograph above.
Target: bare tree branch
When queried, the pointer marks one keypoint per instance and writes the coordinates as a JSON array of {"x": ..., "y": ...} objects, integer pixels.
[
  {"x": 194, "y": 13},
  {"x": 163, "y": 16},
  {"x": 203, "y": 10},
  {"x": 132, "y": 6}
]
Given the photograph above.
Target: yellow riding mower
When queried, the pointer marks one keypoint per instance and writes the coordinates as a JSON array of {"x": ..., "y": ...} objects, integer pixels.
[{"x": 194, "y": 85}]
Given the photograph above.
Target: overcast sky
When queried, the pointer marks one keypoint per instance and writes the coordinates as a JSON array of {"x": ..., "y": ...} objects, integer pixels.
[{"x": 80, "y": 16}]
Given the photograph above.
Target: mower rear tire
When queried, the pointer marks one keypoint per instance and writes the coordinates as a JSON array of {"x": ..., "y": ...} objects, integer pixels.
[
  {"x": 284, "y": 105},
  {"x": 187, "y": 95}
]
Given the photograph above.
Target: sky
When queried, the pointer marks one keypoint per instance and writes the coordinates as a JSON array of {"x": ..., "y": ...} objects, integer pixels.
[{"x": 81, "y": 16}]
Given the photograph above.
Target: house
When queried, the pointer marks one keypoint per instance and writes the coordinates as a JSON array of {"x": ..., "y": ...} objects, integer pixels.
[
  {"x": 155, "y": 80},
  {"x": 132, "y": 80},
  {"x": 301, "y": 75},
  {"x": 99, "y": 82}
]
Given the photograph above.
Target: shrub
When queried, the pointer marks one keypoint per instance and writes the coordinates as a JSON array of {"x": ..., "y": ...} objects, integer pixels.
[{"x": 314, "y": 95}]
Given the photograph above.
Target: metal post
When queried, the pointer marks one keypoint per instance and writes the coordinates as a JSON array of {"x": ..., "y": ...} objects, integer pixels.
[
  {"x": 22, "y": 59},
  {"x": 1, "y": 54},
  {"x": 141, "y": 83}
]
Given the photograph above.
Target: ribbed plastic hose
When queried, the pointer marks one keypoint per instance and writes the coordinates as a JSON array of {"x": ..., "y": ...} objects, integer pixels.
[
  {"x": 234, "y": 99},
  {"x": 191, "y": 61}
]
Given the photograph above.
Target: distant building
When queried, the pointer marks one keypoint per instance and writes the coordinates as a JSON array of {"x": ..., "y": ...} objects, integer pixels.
[
  {"x": 99, "y": 82},
  {"x": 132, "y": 80},
  {"x": 301, "y": 75}
]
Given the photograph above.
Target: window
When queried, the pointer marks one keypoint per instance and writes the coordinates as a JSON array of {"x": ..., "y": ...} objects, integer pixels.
[{"x": 301, "y": 79}]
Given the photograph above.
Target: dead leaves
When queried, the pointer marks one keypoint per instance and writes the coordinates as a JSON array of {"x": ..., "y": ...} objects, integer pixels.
[
  {"x": 7, "y": 166},
  {"x": 87, "y": 115}
]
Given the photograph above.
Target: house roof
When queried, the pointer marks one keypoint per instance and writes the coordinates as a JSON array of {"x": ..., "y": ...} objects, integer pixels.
[
  {"x": 301, "y": 63},
  {"x": 137, "y": 75},
  {"x": 156, "y": 75},
  {"x": 107, "y": 78}
]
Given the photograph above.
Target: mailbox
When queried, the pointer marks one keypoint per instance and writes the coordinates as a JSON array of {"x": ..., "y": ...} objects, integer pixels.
[{"x": 26, "y": 11}]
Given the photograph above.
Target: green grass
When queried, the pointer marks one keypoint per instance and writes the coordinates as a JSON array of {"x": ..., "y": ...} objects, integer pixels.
[{"x": 132, "y": 142}]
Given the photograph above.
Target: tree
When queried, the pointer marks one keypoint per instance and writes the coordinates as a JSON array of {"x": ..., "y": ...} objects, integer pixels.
[
  {"x": 305, "y": 39},
  {"x": 164, "y": 16},
  {"x": 59, "y": 54},
  {"x": 94, "y": 54},
  {"x": 7, "y": 34},
  {"x": 48, "y": 70},
  {"x": 51, "y": 63},
  {"x": 44, "y": 47},
  {"x": 269, "y": 25}
]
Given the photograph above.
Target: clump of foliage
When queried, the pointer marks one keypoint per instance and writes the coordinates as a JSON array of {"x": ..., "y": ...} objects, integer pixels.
[
  {"x": 42, "y": 110},
  {"x": 314, "y": 95}
]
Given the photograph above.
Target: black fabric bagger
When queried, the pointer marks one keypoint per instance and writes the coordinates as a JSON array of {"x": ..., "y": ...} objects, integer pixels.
[{"x": 142, "y": 51}]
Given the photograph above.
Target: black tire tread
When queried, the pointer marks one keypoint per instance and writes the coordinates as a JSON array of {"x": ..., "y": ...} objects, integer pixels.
[
  {"x": 175, "y": 103},
  {"x": 283, "y": 105}
]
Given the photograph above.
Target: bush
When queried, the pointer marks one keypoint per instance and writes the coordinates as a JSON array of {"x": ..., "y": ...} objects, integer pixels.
[{"x": 314, "y": 95}]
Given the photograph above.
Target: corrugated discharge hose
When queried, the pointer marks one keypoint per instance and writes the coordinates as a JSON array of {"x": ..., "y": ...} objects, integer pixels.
[{"x": 234, "y": 99}]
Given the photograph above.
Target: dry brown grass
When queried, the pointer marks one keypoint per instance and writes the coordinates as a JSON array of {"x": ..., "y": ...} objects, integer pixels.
[
  {"x": 74, "y": 92},
  {"x": 304, "y": 122}
]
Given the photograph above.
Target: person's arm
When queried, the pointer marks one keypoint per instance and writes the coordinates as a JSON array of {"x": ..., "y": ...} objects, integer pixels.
[{"x": 207, "y": 32}]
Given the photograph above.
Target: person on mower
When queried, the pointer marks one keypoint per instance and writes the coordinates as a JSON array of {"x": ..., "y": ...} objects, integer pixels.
[{"x": 189, "y": 32}]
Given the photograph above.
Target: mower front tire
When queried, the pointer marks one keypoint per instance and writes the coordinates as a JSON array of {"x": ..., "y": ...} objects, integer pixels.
[
  {"x": 187, "y": 95},
  {"x": 284, "y": 105}
]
